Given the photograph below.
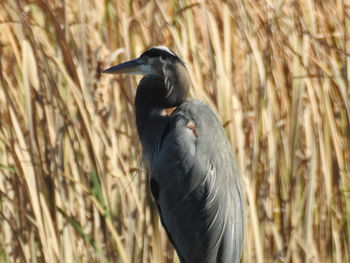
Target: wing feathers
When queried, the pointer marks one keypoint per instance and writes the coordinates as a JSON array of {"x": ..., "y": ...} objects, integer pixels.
[{"x": 198, "y": 188}]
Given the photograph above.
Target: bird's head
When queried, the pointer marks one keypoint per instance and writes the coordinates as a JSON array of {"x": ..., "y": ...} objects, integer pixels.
[{"x": 151, "y": 62}]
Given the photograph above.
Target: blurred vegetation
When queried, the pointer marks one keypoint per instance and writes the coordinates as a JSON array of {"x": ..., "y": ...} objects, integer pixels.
[{"x": 277, "y": 72}]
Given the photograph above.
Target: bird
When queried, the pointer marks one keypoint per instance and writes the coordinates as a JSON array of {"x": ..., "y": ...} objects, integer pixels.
[{"x": 194, "y": 178}]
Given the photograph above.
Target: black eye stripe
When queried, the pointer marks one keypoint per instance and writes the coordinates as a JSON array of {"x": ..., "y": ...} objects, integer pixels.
[{"x": 155, "y": 52}]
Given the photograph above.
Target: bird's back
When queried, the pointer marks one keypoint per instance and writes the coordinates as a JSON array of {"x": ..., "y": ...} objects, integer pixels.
[{"x": 195, "y": 182}]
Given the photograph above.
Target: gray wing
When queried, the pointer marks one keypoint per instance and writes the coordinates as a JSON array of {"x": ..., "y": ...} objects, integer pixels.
[{"x": 197, "y": 188}]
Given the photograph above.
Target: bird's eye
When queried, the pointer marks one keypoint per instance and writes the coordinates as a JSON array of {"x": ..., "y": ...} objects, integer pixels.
[{"x": 163, "y": 58}]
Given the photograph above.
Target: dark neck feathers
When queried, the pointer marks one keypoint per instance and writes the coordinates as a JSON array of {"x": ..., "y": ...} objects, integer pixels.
[{"x": 153, "y": 95}]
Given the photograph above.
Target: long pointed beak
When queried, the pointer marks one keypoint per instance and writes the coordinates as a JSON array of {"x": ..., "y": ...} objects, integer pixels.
[{"x": 133, "y": 67}]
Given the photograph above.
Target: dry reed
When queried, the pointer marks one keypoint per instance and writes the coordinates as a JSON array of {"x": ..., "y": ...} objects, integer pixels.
[{"x": 277, "y": 73}]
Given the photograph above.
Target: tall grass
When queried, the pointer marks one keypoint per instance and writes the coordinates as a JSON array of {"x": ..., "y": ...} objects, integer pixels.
[{"x": 71, "y": 184}]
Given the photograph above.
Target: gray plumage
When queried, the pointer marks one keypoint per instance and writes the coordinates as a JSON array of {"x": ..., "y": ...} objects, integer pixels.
[{"x": 194, "y": 178}]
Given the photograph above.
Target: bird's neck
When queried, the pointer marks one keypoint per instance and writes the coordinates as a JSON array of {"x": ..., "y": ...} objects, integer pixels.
[
  {"x": 155, "y": 94},
  {"x": 150, "y": 121},
  {"x": 151, "y": 124}
]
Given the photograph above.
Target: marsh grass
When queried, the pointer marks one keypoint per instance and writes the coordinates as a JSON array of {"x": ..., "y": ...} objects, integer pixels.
[{"x": 71, "y": 184}]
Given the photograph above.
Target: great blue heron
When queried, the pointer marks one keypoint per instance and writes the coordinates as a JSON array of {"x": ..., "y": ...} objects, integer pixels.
[{"x": 194, "y": 178}]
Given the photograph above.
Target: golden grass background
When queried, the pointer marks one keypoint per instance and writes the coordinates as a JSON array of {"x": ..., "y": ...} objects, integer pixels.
[{"x": 277, "y": 73}]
